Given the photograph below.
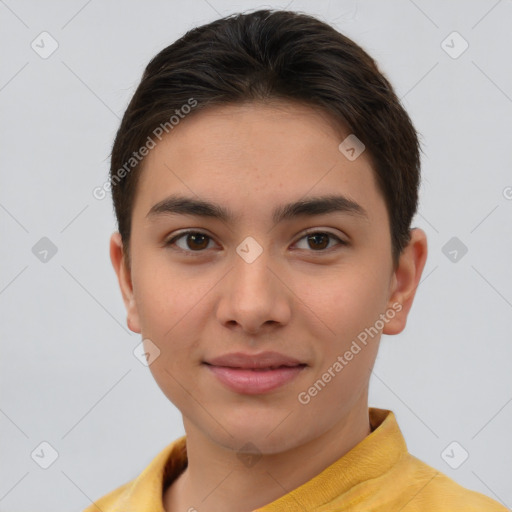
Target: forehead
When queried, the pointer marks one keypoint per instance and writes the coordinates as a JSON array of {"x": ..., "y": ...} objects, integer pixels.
[
  {"x": 255, "y": 154},
  {"x": 272, "y": 129}
]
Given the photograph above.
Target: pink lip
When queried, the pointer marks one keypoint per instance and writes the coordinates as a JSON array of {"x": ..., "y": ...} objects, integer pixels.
[{"x": 253, "y": 374}]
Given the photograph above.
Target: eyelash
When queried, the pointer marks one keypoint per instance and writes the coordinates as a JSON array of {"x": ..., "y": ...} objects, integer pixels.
[{"x": 171, "y": 241}]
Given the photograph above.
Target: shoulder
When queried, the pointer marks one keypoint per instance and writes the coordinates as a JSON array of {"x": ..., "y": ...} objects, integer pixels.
[
  {"x": 109, "y": 502},
  {"x": 433, "y": 491},
  {"x": 145, "y": 491}
]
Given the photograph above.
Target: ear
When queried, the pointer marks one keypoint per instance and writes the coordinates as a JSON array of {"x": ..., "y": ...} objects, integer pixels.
[
  {"x": 405, "y": 281},
  {"x": 119, "y": 263}
]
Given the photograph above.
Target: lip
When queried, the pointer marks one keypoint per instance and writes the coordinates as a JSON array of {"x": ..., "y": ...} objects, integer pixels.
[
  {"x": 254, "y": 374},
  {"x": 254, "y": 361}
]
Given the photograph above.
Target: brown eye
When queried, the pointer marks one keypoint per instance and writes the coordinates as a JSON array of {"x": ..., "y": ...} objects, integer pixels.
[
  {"x": 318, "y": 241},
  {"x": 195, "y": 241}
]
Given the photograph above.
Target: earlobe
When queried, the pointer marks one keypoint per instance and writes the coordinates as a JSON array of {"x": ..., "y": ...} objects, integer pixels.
[
  {"x": 123, "y": 273},
  {"x": 405, "y": 281}
]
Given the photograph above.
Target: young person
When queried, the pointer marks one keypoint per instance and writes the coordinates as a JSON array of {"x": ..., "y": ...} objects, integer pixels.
[{"x": 264, "y": 179}]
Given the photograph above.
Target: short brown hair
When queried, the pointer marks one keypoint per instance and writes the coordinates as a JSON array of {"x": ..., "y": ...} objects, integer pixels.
[{"x": 272, "y": 54}]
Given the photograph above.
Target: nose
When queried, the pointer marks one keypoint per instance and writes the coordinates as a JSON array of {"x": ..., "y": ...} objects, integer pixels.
[{"x": 253, "y": 297}]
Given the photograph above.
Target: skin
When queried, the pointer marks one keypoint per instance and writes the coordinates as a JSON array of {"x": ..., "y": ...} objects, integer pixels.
[{"x": 305, "y": 300}]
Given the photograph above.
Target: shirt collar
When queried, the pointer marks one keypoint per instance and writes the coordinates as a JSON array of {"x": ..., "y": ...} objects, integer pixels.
[{"x": 370, "y": 458}]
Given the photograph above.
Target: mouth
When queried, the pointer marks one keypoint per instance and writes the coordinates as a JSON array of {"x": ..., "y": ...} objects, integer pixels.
[
  {"x": 254, "y": 373},
  {"x": 258, "y": 369}
]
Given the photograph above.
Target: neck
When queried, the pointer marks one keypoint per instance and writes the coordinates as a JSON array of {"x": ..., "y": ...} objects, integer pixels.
[{"x": 218, "y": 481}]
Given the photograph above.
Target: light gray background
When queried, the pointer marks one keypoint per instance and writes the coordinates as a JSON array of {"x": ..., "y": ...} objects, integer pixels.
[{"x": 68, "y": 374}]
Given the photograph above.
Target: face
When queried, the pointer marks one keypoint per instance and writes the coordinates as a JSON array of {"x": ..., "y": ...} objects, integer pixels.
[{"x": 305, "y": 284}]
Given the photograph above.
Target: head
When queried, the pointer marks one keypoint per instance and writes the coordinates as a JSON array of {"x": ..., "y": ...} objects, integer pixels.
[{"x": 281, "y": 146}]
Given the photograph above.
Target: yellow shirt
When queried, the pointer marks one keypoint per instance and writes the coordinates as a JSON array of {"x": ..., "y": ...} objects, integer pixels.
[{"x": 377, "y": 475}]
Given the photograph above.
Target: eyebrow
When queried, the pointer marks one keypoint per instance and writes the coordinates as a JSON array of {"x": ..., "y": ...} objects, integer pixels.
[{"x": 183, "y": 205}]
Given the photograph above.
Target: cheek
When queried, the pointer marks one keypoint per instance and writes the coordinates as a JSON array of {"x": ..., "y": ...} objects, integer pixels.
[
  {"x": 349, "y": 301},
  {"x": 170, "y": 306},
  {"x": 163, "y": 297},
  {"x": 351, "y": 310},
  {"x": 170, "y": 311}
]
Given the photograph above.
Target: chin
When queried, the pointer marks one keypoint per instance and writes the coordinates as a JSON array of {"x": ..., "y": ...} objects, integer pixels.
[
  {"x": 257, "y": 442},
  {"x": 270, "y": 435}
]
